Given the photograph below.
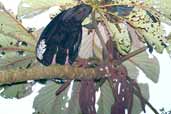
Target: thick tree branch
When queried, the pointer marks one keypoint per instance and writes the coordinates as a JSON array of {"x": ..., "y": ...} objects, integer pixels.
[
  {"x": 57, "y": 71},
  {"x": 54, "y": 71}
]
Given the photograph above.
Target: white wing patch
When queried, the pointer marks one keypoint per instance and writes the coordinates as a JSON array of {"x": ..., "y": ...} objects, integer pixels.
[{"x": 41, "y": 49}]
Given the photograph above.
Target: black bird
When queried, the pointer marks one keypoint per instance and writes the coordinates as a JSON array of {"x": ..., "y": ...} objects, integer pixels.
[{"x": 60, "y": 41}]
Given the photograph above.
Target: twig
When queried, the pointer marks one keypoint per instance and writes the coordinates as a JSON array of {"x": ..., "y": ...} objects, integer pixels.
[
  {"x": 142, "y": 98},
  {"x": 63, "y": 87},
  {"x": 132, "y": 54},
  {"x": 146, "y": 102}
]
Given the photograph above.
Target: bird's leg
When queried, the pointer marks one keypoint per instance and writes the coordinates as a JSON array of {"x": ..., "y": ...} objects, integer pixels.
[
  {"x": 67, "y": 57},
  {"x": 82, "y": 62},
  {"x": 85, "y": 63},
  {"x": 57, "y": 80},
  {"x": 67, "y": 83},
  {"x": 54, "y": 60}
]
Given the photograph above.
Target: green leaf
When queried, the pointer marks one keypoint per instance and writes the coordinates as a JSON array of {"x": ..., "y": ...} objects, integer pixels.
[
  {"x": 17, "y": 91},
  {"x": 16, "y": 44},
  {"x": 169, "y": 42},
  {"x": 154, "y": 35},
  {"x": 73, "y": 103},
  {"x": 29, "y": 8},
  {"x": 150, "y": 66},
  {"x": 12, "y": 28},
  {"x": 121, "y": 37},
  {"x": 132, "y": 70},
  {"x": 164, "y": 7},
  {"x": 1, "y": 6},
  {"x": 136, "y": 109},
  {"x": 13, "y": 60},
  {"x": 106, "y": 99},
  {"x": 149, "y": 31},
  {"x": 48, "y": 103}
]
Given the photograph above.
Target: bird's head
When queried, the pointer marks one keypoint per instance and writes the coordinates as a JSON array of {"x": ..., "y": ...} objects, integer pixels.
[{"x": 77, "y": 13}]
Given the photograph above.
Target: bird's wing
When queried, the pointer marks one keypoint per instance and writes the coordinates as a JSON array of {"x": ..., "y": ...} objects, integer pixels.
[
  {"x": 45, "y": 52},
  {"x": 74, "y": 50},
  {"x": 48, "y": 42},
  {"x": 52, "y": 27},
  {"x": 72, "y": 43}
]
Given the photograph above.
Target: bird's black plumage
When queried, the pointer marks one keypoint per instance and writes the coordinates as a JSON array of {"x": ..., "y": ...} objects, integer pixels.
[{"x": 62, "y": 34}]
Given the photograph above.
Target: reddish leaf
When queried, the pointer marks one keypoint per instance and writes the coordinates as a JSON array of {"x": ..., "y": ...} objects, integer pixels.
[
  {"x": 123, "y": 94},
  {"x": 117, "y": 109},
  {"x": 87, "y": 97},
  {"x": 122, "y": 91},
  {"x": 111, "y": 47}
]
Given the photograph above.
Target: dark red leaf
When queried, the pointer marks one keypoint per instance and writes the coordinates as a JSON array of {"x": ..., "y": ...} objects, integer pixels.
[
  {"x": 117, "y": 109},
  {"x": 123, "y": 94},
  {"x": 122, "y": 91},
  {"x": 112, "y": 49},
  {"x": 87, "y": 97}
]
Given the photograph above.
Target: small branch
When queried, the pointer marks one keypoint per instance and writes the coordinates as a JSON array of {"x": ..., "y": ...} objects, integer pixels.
[
  {"x": 50, "y": 72},
  {"x": 132, "y": 54},
  {"x": 146, "y": 102},
  {"x": 63, "y": 87},
  {"x": 56, "y": 71}
]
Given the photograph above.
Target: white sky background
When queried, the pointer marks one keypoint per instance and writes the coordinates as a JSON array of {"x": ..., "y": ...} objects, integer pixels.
[{"x": 160, "y": 93}]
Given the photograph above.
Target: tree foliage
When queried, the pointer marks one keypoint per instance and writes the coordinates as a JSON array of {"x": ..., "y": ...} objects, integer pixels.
[{"x": 115, "y": 39}]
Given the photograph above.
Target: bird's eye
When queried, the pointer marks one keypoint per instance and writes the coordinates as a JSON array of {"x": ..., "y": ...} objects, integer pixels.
[{"x": 79, "y": 12}]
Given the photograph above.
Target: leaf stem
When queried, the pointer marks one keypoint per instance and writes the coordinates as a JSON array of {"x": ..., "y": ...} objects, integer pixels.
[{"x": 16, "y": 49}]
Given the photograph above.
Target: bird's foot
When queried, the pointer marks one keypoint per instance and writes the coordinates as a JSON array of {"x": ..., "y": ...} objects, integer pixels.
[
  {"x": 67, "y": 57},
  {"x": 54, "y": 60},
  {"x": 83, "y": 63}
]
